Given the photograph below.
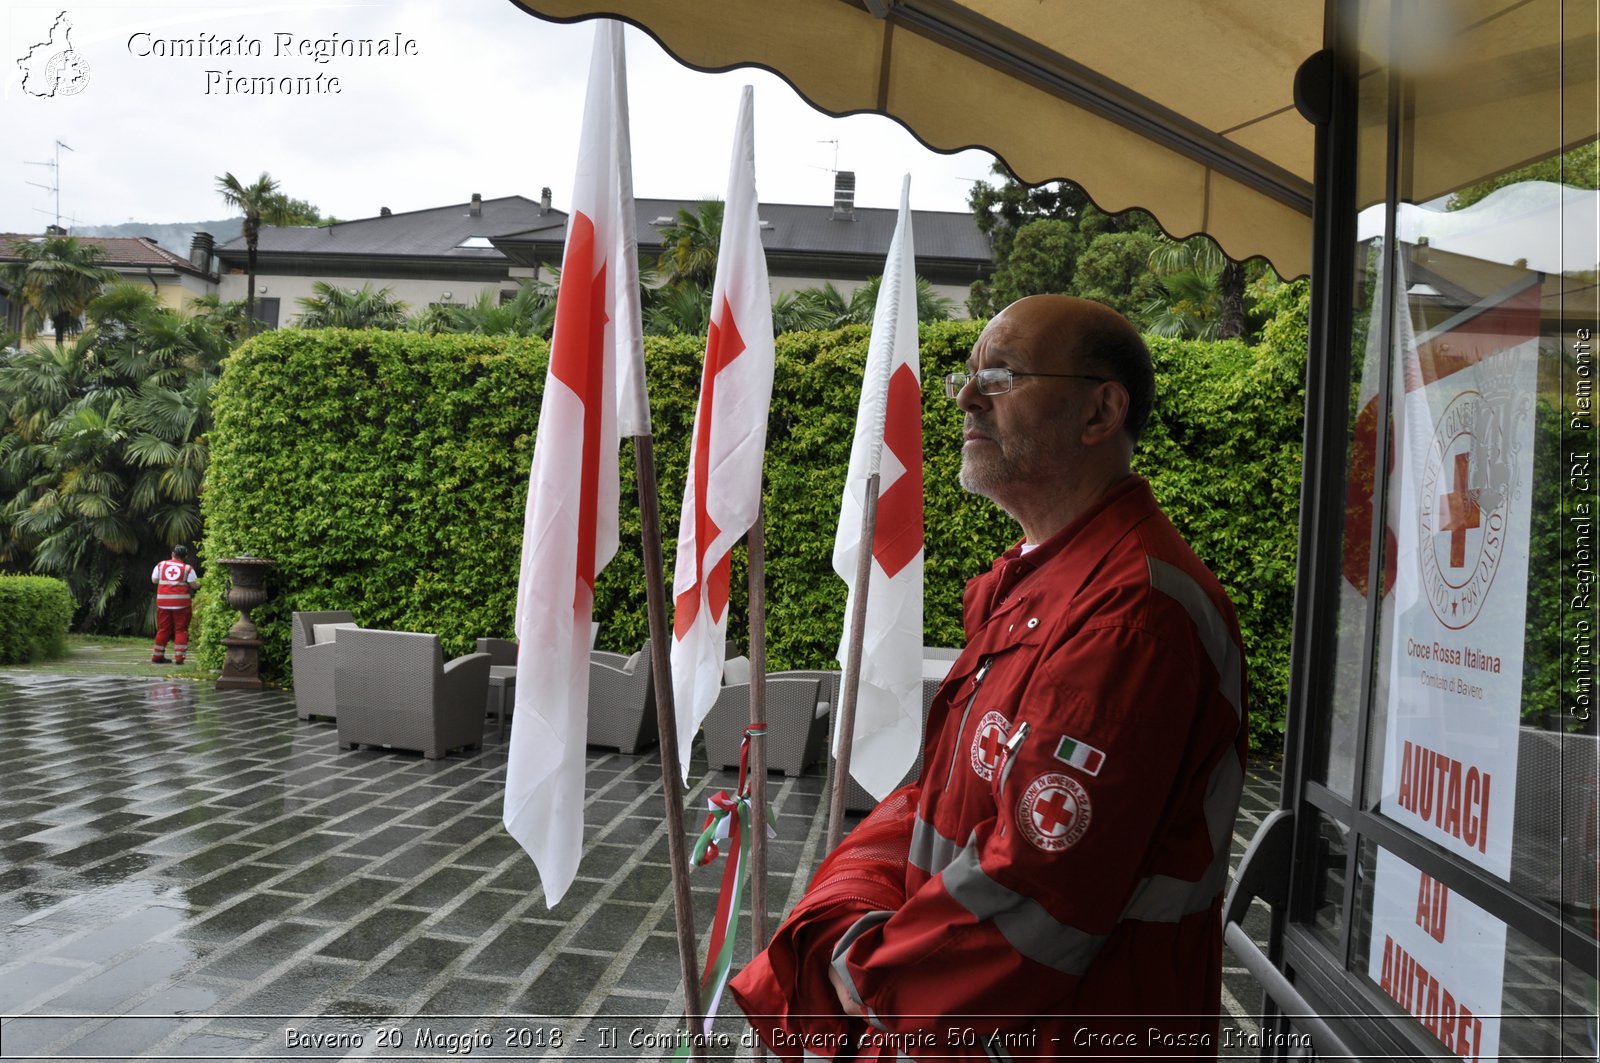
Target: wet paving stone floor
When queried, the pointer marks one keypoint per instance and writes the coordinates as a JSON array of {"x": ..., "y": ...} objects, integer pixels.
[{"x": 187, "y": 873}]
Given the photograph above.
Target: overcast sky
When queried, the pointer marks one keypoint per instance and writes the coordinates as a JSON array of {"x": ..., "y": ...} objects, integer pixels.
[{"x": 488, "y": 102}]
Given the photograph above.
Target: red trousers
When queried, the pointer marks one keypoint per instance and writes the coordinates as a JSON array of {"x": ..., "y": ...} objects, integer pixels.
[{"x": 172, "y": 625}]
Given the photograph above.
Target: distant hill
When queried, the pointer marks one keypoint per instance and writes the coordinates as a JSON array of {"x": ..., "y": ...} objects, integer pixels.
[{"x": 174, "y": 236}]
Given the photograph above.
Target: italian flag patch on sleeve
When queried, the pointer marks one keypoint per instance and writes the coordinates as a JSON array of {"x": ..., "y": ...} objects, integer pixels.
[{"x": 1080, "y": 755}]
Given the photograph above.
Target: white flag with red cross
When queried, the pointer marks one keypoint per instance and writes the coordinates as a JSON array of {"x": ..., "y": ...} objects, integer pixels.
[
  {"x": 723, "y": 494},
  {"x": 569, "y": 528},
  {"x": 888, "y": 440}
]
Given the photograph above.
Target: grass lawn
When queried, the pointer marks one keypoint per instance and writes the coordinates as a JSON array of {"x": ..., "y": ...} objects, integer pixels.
[{"x": 105, "y": 655}]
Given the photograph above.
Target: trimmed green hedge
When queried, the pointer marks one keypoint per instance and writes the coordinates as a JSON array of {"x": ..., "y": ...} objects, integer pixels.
[
  {"x": 386, "y": 473},
  {"x": 34, "y": 614}
]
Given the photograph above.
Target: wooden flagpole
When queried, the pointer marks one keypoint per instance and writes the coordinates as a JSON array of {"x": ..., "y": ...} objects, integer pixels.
[
  {"x": 667, "y": 723},
  {"x": 851, "y": 687},
  {"x": 757, "y": 565}
]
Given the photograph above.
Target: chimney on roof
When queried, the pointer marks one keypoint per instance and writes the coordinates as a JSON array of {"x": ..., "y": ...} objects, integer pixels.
[
  {"x": 544, "y": 200},
  {"x": 476, "y": 209},
  {"x": 844, "y": 195},
  {"x": 384, "y": 212},
  {"x": 54, "y": 230},
  {"x": 200, "y": 251}
]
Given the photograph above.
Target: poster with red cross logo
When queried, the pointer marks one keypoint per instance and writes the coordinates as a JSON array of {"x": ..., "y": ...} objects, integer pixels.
[{"x": 1460, "y": 510}]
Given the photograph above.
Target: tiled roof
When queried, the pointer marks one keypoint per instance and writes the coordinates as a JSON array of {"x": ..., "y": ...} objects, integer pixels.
[
  {"x": 444, "y": 232},
  {"x": 438, "y": 232},
  {"x": 121, "y": 252}
]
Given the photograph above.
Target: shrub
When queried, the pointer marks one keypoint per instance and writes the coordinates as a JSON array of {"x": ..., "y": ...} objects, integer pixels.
[
  {"x": 34, "y": 613},
  {"x": 386, "y": 473}
]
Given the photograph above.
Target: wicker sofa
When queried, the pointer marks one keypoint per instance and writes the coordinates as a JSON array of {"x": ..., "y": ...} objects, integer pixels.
[
  {"x": 311, "y": 659},
  {"x": 393, "y": 688}
]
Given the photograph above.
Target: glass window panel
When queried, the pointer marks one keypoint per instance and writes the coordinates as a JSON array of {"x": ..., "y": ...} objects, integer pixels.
[
  {"x": 1330, "y": 857},
  {"x": 1472, "y": 983}
]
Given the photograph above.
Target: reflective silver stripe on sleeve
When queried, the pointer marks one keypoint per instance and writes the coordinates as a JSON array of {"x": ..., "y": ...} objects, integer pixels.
[
  {"x": 930, "y": 850},
  {"x": 842, "y": 949},
  {"x": 1022, "y": 921},
  {"x": 1225, "y": 654},
  {"x": 1163, "y": 899}
]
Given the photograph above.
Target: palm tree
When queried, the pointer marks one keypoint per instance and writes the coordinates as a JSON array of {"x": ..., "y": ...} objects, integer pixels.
[
  {"x": 330, "y": 306},
  {"x": 55, "y": 281},
  {"x": 103, "y": 451},
  {"x": 689, "y": 246},
  {"x": 530, "y": 312},
  {"x": 261, "y": 202},
  {"x": 1203, "y": 290},
  {"x": 678, "y": 308},
  {"x": 837, "y": 311}
]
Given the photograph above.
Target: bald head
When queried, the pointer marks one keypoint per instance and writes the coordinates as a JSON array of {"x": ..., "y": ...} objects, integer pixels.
[{"x": 1080, "y": 335}]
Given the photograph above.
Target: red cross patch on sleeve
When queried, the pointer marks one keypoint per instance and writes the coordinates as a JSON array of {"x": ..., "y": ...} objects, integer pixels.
[{"x": 1053, "y": 812}]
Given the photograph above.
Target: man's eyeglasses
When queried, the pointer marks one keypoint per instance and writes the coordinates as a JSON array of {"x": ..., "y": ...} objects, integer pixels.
[{"x": 997, "y": 380}]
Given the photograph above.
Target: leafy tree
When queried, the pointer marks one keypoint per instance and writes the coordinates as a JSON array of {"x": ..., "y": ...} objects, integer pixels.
[
  {"x": 103, "y": 452},
  {"x": 1033, "y": 261},
  {"x": 55, "y": 280},
  {"x": 301, "y": 212},
  {"x": 330, "y": 306},
  {"x": 262, "y": 203},
  {"x": 1115, "y": 269},
  {"x": 1043, "y": 259},
  {"x": 1202, "y": 291},
  {"x": 1579, "y": 167}
]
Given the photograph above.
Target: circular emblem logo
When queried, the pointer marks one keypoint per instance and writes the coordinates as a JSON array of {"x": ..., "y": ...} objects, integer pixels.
[
  {"x": 987, "y": 743},
  {"x": 1463, "y": 507},
  {"x": 67, "y": 73},
  {"x": 1053, "y": 812}
]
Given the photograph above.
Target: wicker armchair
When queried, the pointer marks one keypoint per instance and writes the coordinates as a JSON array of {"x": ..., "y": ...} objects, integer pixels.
[
  {"x": 856, "y": 798},
  {"x": 312, "y": 662},
  {"x": 797, "y": 721},
  {"x": 393, "y": 688},
  {"x": 500, "y": 651},
  {"x": 622, "y": 703}
]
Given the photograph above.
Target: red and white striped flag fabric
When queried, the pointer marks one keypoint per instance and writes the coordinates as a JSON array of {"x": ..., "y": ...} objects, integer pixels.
[
  {"x": 723, "y": 493},
  {"x": 888, "y": 440},
  {"x": 569, "y": 530}
]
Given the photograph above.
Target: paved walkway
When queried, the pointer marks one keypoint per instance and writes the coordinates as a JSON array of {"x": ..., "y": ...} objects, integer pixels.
[{"x": 189, "y": 873}]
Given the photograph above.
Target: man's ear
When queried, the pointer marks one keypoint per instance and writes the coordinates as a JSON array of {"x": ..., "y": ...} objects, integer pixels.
[{"x": 1108, "y": 412}]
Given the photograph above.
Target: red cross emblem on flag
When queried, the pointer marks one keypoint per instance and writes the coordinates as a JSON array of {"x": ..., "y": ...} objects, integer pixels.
[
  {"x": 1053, "y": 812},
  {"x": 987, "y": 742}
]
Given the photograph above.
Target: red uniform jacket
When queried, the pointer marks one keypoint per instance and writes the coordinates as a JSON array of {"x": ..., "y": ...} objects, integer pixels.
[
  {"x": 1064, "y": 853},
  {"x": 174, "y": 582}
]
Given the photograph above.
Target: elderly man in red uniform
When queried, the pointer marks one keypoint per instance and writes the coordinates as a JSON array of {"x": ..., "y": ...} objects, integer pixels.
[
  {"x": 1052, "y": 883},
  {"x": 175, "y": 579}
]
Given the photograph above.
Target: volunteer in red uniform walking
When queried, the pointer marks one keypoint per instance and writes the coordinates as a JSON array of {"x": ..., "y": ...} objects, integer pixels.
[
  {"x": 174, "y": 579},
  {"x": 1052, "y": 883}
]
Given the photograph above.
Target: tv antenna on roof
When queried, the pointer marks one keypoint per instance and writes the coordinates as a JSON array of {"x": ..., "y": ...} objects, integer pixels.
[
  {"x": 835, "y": 144},
  {"x": 55, "y": 180}
]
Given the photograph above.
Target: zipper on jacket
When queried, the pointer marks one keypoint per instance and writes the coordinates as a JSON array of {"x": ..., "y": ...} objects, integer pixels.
[{"x": 977, "y": 682}]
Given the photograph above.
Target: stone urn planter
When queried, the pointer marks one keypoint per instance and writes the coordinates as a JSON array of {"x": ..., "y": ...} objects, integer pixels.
[{"x": 247, "y": 575}]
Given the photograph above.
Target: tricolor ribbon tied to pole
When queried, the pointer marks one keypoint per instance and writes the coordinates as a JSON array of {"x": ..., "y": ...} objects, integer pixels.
[{"x": 729, "y": 820}]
